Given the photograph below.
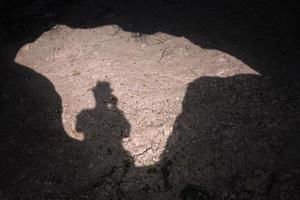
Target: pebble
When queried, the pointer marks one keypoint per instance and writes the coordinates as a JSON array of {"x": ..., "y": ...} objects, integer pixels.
[
  {"x": 253, "y": 183},
  {"x": 224, "y": 194},
  {"x": 91, "y": 165},
  {"x": 258, "y": 172},
  {"x": 232, "y": 196},
  {"x": 5, "y": 96}
]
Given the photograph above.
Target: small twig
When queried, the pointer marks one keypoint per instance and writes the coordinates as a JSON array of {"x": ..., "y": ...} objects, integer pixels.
[
  {"x": 192, "y": 70},
  {"x": 163, "y": 54},
  {"x": 145, "y": 151},
  {"x": 55, "y": 27}
]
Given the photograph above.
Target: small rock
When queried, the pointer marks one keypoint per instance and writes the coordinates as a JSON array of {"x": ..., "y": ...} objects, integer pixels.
[
  {"x": 218, "y": 155},
  {"x": 285, "y": 187},
  {"x": 5, "y": 96},
  {"x": 228, "y": 133},
  {"x": 76, "y": 73},
  {"x": 232, "y": 100},
  {"x": 235, "y": 149},
  {"x": 232, "y": 196},
  {"x": 285, "y": 177},
  {"x": 267, "y": 78},
  {"x": 49, "y": 15},
  {"x": 258, "y": 172},
  {"x": 91, "y": 166},
  {"x": 224, "y": 194},
  {"x": 253, "y": 183},
  {"x": 27, "y": 47}
]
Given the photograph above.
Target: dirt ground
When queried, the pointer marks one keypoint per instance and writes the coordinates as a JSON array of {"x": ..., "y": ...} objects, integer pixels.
[{"x": 149, "y": 100}]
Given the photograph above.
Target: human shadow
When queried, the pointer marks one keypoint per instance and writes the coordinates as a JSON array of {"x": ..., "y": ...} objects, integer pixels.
[
  {"x": 39, "y": 160},
  {"x": 104, "y": 127},
  {"x": 236, "y": 138},
  {"x": 222, "y": 144}
]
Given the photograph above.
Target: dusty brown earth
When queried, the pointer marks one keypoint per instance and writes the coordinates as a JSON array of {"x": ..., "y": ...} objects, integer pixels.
[{"x": 129, "y": 108}]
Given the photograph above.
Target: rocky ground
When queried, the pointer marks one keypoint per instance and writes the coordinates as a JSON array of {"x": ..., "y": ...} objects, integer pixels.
[{"x": 149, "y": 100}]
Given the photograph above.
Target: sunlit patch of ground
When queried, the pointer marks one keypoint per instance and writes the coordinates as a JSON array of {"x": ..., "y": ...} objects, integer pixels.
[{"x": 148, "y": 75}]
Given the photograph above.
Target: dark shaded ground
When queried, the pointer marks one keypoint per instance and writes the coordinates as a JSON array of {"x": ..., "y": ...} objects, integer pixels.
[{"x": 236, "y": 138}]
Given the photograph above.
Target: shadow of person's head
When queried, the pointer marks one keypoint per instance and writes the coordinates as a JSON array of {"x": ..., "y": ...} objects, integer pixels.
[{"x": 103, "y": 96}]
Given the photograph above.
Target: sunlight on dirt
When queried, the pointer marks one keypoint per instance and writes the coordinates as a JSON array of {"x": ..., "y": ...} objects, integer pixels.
[{"x": 148, "y": 75}]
